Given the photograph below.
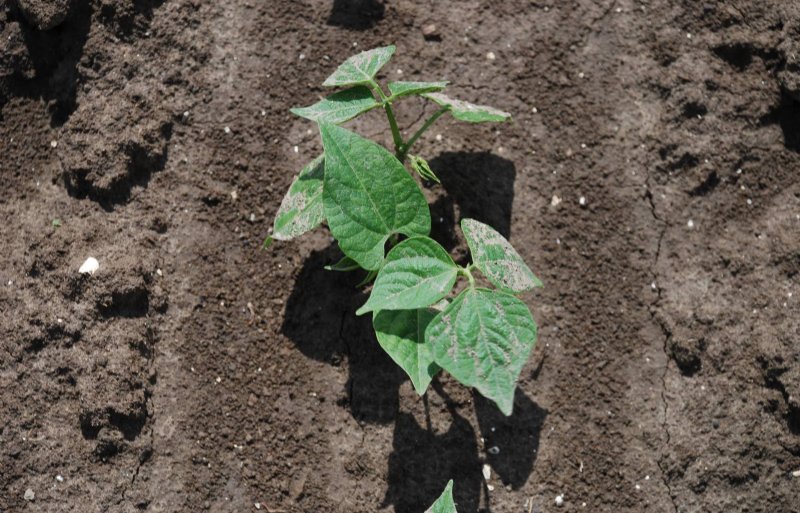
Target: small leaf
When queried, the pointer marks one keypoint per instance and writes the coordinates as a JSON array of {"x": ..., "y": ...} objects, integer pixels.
[
  {"x": 445, "y": 503},
  {"x": 483, "y": 338},
  {"x": 497, "y": 259},
  {"x": 360, "y": 68},
  {"x": 301, "y": 208},
  {"x": 417, "y": 272},
  {"x": 368, "y": 196},
  {"x": 401, "y": 333},
  {"x": 339, "y": 107},
  {"x": 466, "y": 111},
  {"x": 420, "y": 165},
  {"x": 344, "y": 265},
  {"x": 398, "y": 89}
]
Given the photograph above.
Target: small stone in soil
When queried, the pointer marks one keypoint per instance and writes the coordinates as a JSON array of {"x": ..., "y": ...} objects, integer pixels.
[
  {"x": 29, "y": 495},
  {"x": 559, "y": 500},
  {"x": 90, "y": 266}
]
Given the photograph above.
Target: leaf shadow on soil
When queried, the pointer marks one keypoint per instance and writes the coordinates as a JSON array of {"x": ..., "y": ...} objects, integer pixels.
[
  {"x": 320, "y": 318},
  {"x": 477, "y": 185},
  {"x": 423, "y": 460},
  {"x": 356, "y": 14}
]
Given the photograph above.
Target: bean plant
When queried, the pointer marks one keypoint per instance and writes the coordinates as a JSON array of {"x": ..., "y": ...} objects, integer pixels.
[{"x": 370, "y": 201}]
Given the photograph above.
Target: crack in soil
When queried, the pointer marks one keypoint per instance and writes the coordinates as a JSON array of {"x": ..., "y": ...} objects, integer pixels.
[
  {"x": 147, "y": 452},
  {"x": 667, "y": 335}
]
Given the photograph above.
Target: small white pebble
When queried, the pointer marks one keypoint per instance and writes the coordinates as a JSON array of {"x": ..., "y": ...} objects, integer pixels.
[
  {"x": 690, "y": 223},
  {"x": 263, "y": 112},
  {"x": 53, "y": 144},
  {"x": 581, "y": 75},
  {"x": 90, "y": 266},
  {"x": 559, "y": 500},
  {"x": 653, "y": 286},
  {"x": 555, "y": 200},
  {"x": 439, "y": 137},
  {"x": 252, "y": 217},
  {"x": 487, "y": 471},
  {"x": 234, "y": 195},
  {"x": 582, "y": 201},
  {"x": 535, "y": 110},
  {"x": 490, "y": 56},
  {"x": 749, "y": 201},
  {"x": 257, "y": 505},
  {"x": 688, "y": 36},
  {"x": 302, "y": 56},
  {"x": 29, "y": 495},
  {"x": 647, "y": 478},
  {"x": 227, "y": 129},
  {"x": 796, "y": 473},
  {"x": 638, "y": 487},
  {"x": 218, "y": 380},
  {"x": 60, "y": 320},
  {"x": 60, "y": 478},
  {"x": 583, "y": 146},
  {"x": 296, "y": 149},
  {"x": 490, "y": 488},
  {"x": 186, "y": 113},
  {"x": 158, "y": 272},
  {"x": 399, "y": 72}
]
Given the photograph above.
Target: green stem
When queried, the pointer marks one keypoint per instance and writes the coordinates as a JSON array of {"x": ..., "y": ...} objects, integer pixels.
[
  {"x": 387, "y": 106},
  {"x": 421, "y": 131},
  {"x": 398, "y": 139},
  {"x": 467, "y": 271}
]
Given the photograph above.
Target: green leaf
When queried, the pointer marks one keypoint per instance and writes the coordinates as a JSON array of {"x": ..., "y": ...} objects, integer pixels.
[
  {"x": 368, "y": 196},
  {"x": 497, "y": 259},
  {"x": 398, "y": 89},
  {"x": 339, "y": 107},
  {"x": 401, "y": 333},
  {"x": 445, "y": 503},
  {"x": 466, "y": 111},
  {"x": 483, "y": 339},
  {"x": 417, "y": 272},
  {"x": 360, "y": 68},
  {"x": 420, "y": 165},
  {"x": 301, "y": 208},
  {"x": 344, "y": 265}
]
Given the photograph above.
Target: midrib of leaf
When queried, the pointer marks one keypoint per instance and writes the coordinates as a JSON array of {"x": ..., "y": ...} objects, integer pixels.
[{"x": 360, "y": 183}]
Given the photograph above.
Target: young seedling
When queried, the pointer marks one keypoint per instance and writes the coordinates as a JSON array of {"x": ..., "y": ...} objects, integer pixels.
[{"x": 364, "y": 193}]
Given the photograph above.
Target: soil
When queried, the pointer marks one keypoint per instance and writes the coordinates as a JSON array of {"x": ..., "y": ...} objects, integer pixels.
[{"x": 196, "y": 372}]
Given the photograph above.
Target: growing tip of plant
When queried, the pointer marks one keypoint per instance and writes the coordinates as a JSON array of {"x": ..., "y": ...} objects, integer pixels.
[{"x": 266, "y": 242}]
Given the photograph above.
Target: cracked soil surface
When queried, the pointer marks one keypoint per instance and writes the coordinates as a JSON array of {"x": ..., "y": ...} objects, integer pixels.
[{"x": 196, "y": 372}]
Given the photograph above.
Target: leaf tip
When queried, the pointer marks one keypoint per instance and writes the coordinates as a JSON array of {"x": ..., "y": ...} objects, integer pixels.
[{"x": 267, "y": 242}]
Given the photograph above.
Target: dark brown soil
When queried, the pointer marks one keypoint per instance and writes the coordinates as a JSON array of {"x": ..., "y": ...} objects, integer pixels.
[{"x": 196, "y": 372}]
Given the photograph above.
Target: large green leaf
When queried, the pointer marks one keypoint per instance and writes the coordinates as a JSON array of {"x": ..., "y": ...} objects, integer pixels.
[
  {"x": 445, "y": 503},
  {"x": 368, "y": 196},
  {"x": 401, "y": 333},
  {"x": 483, "y": 338},
  {"x": 301, "y": 208},
  {"x": 497, "y": 259},
  {"x": 466, "y": 111},
  {"x": 339, "y": 107},
  {"x": 360, "y": 68},
  {"x": 417, "y": 272},
  {"x": 398, "y": 89}
]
